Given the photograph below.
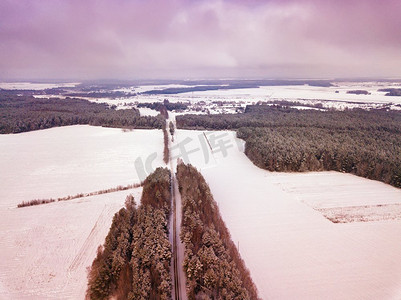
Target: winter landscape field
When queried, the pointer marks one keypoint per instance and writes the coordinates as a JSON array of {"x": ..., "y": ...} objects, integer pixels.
[
  {"x": 335, "y": 96},
  {"x": 208, "y": 149},
  {"x": 291, "y": 249},
  {"x": 302, "y": 235},
  {"x": 46, "y": 249}
]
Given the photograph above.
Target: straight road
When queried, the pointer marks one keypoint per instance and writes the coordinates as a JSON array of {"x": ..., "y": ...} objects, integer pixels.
[{"x": 179, "y": 291}]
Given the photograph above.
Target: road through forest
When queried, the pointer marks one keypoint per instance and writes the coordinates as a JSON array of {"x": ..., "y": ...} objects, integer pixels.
[{"x": 179, "y": 282}]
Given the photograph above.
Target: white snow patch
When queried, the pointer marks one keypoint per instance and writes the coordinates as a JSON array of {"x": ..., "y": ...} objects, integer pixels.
[{"x": 144, "y": 111}]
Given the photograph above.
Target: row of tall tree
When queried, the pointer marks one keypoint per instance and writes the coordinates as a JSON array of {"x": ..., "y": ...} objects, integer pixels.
[
  {"x": 134, "y": 262},
  {"x": 365, "y": 143},
  {"x": 166, "y": 150},
  {"x": 26, "y": 113},
  {"x": 391, "y": 92},
  {"x": 212, "y": 264}
]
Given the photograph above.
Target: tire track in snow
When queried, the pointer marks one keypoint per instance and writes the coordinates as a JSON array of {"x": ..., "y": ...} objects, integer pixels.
[{"x": 82, "y": 253}]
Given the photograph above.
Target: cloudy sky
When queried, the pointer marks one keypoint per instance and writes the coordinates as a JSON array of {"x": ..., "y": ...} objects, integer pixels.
[{"x": 132, "y": 39}]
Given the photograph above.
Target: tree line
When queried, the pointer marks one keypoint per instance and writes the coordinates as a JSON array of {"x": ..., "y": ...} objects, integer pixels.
[
  {"x": 212, "y": 264},
  {"x": 284, "y": 116},
  {"x": 26, "y": 113},
  {"x": 212, "y": 85},
  {"x": 391, "y": 92},
  {"x": 134, "y": 262},
  {"x": 170, "y": 106},
  {"x": 279, "y": 138},
  {"x": 79, "y": 195}
]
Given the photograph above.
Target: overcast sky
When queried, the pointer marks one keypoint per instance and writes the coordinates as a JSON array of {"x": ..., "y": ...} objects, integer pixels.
[{"x": 132, "y": 39}]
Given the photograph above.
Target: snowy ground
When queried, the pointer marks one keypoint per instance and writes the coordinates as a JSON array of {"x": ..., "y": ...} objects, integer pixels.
[
  {"x": 280, "y": 221},
  {"x": 335, "y": 96},
  {"x": 68, "y": 160},
  {"x": 291, "y": 92},
  {"x": 144, "y": 111},
  {"x": 33, "y": 86},
  {"x": 291, "y": 249},
  {"x": 330, "y": 97},
  {"x": 350, "y": 199},
  {"x": 46, "y": 249},
  {"x": 365, "y": 213}
]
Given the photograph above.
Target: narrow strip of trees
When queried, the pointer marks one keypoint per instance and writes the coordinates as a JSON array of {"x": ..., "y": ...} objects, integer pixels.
[
  {"x": 79, "y": 195},
  {"x": 134, "y": 262},
  {"x": 172, "y": 129},
  {"x": 166, "y": 150},
  {"x": 35, "y": 202},
  {"x": 212, "y": 264}
]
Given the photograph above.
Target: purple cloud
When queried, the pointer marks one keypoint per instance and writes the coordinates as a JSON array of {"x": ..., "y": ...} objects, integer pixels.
[{"x": 182, "y": 38}]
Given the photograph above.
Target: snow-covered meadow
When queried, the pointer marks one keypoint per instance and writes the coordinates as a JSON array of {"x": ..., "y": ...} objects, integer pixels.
[
  {"x": 46, "y": 249},
  {"x": 74, "y": 159},
  {"x": 291, "y": 249},
  {"x": 280, "y": 221},
  {"x": 335, "y": 96},
  {"x": 34, "y": 86},
  {"x": 337, "y": 92}
]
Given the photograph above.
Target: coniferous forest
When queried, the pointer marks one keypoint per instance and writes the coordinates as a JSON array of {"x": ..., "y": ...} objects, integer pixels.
[
  {"x": 26, "y": 113},
  {"x": 212, "y": 264},
  {"x": 134, "y": 262},
  {"x": 364, "y": 143}
]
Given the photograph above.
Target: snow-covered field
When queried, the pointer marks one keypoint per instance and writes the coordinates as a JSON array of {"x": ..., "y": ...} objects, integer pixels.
[
  {"x": 291, "y": 249},
  {"x": 335, "y": 96},
  {"x": 68, "y": 160},
  {"x": 33, "y": 86},
  {"x": 292, "y": 92},
  {"x": 144, "y": 111},
  {"x": 46, "y": 249},
  {"x": 350, "y": 199},
  {"x": 280, "y": 221},
  {"x": 330, "y": 97},
  {"x": 145, "y": 88}
]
